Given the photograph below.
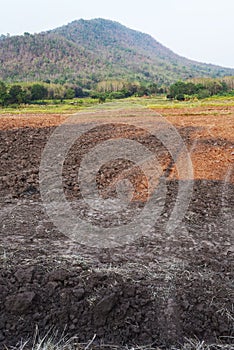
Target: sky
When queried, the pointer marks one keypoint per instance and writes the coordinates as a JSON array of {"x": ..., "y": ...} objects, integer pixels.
[{"x": 202, "y": 30}]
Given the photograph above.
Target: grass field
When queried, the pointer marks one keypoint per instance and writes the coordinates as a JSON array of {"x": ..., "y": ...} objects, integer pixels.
[{"x": 72, "y": 106}]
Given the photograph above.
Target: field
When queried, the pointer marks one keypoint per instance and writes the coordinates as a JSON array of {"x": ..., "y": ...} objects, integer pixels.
[{"x": 151, "y": 287}]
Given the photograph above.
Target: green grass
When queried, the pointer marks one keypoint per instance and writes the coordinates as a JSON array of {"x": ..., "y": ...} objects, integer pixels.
[
  {"x": 161, "y": 102},
  {"x": 155, "y": 102},
  {"x": 217, "y": 101},
  {"x": 52, "y": 107}
]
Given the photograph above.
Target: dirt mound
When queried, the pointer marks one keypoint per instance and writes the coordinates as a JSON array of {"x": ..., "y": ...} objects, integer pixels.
[{"x": 129, "y": 304}]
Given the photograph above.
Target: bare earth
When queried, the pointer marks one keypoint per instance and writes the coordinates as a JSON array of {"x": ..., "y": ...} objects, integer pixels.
[{"x": 160, "y": 288}]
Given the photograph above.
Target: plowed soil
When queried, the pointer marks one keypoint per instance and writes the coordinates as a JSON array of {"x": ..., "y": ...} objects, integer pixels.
[{"x": 161, "y": 289}]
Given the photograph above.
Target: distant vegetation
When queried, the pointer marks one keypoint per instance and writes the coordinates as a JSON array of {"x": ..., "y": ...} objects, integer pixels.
[
  {"x": 15, "y": 94},
  {"x": 86, "y": 53},
  {"x": 25, "y": 93},
  {"x": 38, "y": 92},
  {"x": 201, "y": 88}
]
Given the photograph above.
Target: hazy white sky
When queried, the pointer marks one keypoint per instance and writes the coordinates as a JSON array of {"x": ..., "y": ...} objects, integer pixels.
[{"x": 198, "y": 29}]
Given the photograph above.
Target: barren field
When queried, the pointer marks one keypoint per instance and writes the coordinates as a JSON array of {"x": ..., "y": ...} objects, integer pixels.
[{"x": 159, "y": 289}]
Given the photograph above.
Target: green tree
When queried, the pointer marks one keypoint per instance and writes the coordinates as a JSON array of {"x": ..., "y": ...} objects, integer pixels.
[
  {"x": 190, "y": 89},
  {"x": 3, "y": 94},
  {"x": 181, "y": 88},
  {"x": 79, "y": 92},
  {"x": 70, "y": 93},
  {"x": 177, "y": 89},
  {"x": 180, "y": 97},
  {"x": 214, "y": 87},
  {"x": 204, "y": 93},
  {"x": 102, "y": 98},
  {"x": 16, "y": 94},
  {"x": 143, "y": 91},
  {"x": 153, "y": 88},
  {"x": 38, "y": 92},
  {"x": 130, "y": 89}
]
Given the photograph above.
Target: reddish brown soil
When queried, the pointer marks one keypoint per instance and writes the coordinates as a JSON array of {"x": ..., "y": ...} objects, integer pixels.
[
  {"x": 213, "y": 128},
  {"x": 12, "y": 121},
  {"x": 158, "y": 290}
]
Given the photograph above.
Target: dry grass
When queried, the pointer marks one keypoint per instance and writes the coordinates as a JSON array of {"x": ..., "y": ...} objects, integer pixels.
[
  {"x": 72, "y": 345},
  {"x": 51, "y": 342}
]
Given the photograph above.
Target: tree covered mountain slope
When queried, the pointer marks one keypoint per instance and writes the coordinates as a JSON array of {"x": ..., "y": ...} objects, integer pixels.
[{"x": 94, "y": 50}]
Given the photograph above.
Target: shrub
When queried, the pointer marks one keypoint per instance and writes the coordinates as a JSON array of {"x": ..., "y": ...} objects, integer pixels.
[{"x": 180, "y": 97}]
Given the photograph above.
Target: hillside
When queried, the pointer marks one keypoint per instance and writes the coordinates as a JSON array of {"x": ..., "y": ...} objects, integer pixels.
[{"x": 89, "y": 51}]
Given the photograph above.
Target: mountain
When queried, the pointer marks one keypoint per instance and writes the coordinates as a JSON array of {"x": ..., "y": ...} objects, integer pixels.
[{"x": 94, "y": 50}]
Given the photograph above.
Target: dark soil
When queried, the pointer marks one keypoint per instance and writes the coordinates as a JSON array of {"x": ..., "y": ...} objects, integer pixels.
[{"x": 159, "y": 290}]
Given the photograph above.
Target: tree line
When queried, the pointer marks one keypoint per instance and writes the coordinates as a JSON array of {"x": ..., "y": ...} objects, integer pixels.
[
  {"x": 26, "y": 93},
  {"x": 201, "y": 89},
  {"x": 30, "y": 93}
]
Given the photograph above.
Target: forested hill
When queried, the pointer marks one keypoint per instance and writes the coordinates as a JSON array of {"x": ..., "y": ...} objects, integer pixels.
[{"x": 89, "y": 51}]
